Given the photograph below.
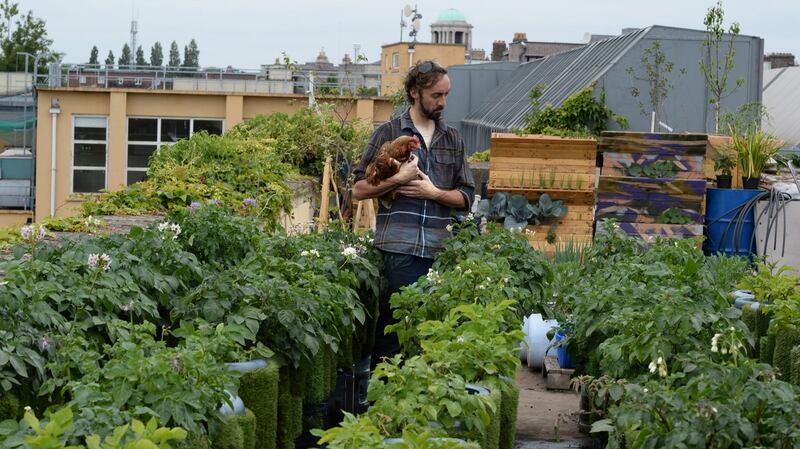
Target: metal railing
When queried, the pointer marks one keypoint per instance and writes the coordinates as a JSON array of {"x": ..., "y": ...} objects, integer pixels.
[{"x": 346, "y": 80}]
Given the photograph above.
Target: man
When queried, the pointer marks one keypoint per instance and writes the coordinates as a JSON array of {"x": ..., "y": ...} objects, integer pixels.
[{"x": 431, "y": 185}]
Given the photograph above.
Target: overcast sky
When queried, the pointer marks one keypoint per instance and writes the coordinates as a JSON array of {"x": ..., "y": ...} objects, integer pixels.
[{"x": 247, "y": 33}]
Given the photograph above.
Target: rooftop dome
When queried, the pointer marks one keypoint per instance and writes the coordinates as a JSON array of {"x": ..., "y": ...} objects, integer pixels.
[{"x": 451, "y": 15}]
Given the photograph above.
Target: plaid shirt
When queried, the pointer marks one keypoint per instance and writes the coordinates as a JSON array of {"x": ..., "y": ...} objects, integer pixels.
[{"x": 414, "y": 226}]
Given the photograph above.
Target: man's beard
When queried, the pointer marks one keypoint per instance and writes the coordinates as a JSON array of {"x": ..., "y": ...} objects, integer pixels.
[{"x": 433, "y": 115}]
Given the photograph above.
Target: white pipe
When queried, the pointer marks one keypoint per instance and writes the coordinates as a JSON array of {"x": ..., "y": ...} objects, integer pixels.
[
  {"x": 54, "y": 119},
  {"x": 653, "y": 122}
]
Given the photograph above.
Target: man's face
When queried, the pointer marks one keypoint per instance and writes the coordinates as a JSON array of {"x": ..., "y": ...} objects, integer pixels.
[{"x": 433, "y": 99}]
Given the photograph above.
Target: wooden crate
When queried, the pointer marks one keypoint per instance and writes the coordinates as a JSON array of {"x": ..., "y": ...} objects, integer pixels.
[
  {"x": 542, "y": 163},
  {"x": 563, "y": 168},
  {"x": 638, "y": 202}
]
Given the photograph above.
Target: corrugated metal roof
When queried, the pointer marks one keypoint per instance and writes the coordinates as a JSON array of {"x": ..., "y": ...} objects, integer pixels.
[
  {"x": 781, "y": 97},
  {"x": 562, "y": 74}
]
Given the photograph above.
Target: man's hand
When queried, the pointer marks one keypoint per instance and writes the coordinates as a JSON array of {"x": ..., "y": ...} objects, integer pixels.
[
  {"x": 408, "y": 171},
  {"x": 422, "y": 188}
]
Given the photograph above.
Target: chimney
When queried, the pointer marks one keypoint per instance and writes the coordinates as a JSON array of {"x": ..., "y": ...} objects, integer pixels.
[
  {"x": 498, "y": 49},
  {"x": 520, "y": 37}
]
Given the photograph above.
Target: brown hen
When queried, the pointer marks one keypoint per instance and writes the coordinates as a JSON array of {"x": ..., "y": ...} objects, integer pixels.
[{"x": 390, "y": 157}]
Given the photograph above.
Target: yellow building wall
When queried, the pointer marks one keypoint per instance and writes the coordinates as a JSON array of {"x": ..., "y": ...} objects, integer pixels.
[
  {"x": 392, "y": 77},
  {"x": 119, "y": 104}
]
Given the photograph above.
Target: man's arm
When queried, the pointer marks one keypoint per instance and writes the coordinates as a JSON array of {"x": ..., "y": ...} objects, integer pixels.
[
  {"x": 363, "y": 190},
  {"x": 425, "y": 190}
]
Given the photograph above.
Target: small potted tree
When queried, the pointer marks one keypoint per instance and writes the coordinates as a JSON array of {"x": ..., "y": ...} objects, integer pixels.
[
  {"x": 754, "y": 148},
  {"x": 724, "y": 162}
]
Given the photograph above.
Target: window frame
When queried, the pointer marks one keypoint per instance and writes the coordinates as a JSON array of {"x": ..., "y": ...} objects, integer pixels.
[
  {"x": 74, "y": 167},
  {"x": 158, "y": 143}
]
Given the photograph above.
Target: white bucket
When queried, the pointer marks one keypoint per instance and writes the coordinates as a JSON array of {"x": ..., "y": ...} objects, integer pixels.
[
  {"x": 536, "y": 339},
  {"x": 523, "y": 345}
]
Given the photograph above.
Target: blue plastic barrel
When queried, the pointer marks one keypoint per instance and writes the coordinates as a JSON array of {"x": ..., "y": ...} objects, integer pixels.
[
  {"x": 722, "y": 208},
  {"x": 564, "y": 361}
]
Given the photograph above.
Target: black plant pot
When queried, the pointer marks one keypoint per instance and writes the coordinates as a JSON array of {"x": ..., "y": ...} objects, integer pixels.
[
  {"x": 724, "y": 181},
  {"x": 750, "y": 183}
]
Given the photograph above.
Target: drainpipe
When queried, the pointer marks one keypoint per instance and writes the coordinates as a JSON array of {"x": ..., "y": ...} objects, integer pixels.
[{"x": 55, "y": 109}]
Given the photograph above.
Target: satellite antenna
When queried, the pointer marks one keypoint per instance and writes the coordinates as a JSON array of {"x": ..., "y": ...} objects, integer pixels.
[
  {"x": 402, "y": 24},
  {"x": 415, "y": 22}
]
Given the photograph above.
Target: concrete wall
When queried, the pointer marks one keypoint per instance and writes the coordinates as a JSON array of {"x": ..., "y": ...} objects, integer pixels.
[
  {"x": 470, "y": 83},
  {"x": 392, "y": 77},
  {"x": 687, "y": 105},
  {"x": 118, "y": 104},
  {"x": 14, "y": 82}
]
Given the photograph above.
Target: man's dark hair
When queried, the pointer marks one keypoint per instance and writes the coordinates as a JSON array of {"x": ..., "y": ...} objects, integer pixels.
[{"x": 422, "y": 75}]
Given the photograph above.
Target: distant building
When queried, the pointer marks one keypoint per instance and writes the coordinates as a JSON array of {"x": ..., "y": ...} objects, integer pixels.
[
  {"x": 523, "y": 50},
  {"x": 451, "y": 27},
  {"x": 779, "y": 60}
]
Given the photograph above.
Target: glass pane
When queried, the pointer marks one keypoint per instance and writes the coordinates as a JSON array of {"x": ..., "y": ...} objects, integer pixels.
[
  {"x": 139, "y": 155},
  {"x": 88, "y": 133},
  {"x": 90, "y": 155},
  {"x": 211, "y": 126},
  {"x": 174, "y": 129},
  {"x": 88, "y": 181},
  {"x": 143, "y": 129},
  {"x": 90, "y": 122},
  {"x": 136, "y": 176}
]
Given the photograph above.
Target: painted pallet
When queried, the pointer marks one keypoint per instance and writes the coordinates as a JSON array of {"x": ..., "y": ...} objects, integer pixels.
[
  {"x": 664, "y": 144},
  {"x": 646, "y": 194},
  {"x": 648, "y": 231},
  {"x": 685, "y": 167}
]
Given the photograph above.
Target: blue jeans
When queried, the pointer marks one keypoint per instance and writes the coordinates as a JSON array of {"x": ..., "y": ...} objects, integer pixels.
[{"x": 399, "y": 270}]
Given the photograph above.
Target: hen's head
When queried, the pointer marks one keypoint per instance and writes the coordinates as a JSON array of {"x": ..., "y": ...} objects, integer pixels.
[{"x": 413, "y": 144}]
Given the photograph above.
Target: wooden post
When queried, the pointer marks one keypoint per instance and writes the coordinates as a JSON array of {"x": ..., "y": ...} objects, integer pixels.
[
  {"x": 371, "y": 214},
  {"x": 357, "y": 217},
  {"x": 322, "y": 221}
]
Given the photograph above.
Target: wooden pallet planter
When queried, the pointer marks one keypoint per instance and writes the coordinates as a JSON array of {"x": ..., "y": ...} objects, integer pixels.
[
  {"x": 687, "y": 167},
  {"x": 563, "y": 168},
  {"x": 638, "y": 202},
  {"x": 643, "y": 200},
  {"x": 557, "y": 378}
]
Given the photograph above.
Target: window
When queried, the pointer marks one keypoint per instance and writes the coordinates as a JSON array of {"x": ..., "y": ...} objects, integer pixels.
[
  {"x": 395, "y": 60},
  {"x": 146, "y": 134},
  {"x": 89, "y": 155}
]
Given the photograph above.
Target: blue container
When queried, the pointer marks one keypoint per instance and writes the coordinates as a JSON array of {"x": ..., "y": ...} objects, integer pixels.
[
  {"x": 722, "y": 210},
  {"x": 564, "y": 361}
]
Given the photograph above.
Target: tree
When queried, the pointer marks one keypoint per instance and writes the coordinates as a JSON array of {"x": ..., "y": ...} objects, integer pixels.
[
  {"x": 28, "y": 35},
  {"x": 140, "y": 56},
  {"x": 156, "y": 55},
  {"x": 93, "y": 55},
  {"x": 657, "y": 77},
  {"x": 717, "y": 67},
  {"x": 110, "y": 59},
  {"x": 174, "y": 55},
  {"x": 191, "y": 55},
  {"x": 124, "y": 57}
]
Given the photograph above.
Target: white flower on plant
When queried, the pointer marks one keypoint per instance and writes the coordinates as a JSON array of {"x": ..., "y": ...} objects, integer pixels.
[
  {"x": 433, "y": 275},
  {"x": 33, "y": 233},
  {"x": 310, "y": 252},
  {"x": 173, "y": 228},
  {"x": 460, "y": 339},
  {"x": 127, "y": 307},
  {"x": 94, "y": 261},
  {"x": 658, "y": 365},
  {"x": 28, "y": 408},
  {"x": 449, "y": 227},
  {"x": 44, "y": 344},
  {"x": 470, "y": 216},
  {"x": 653, "y": 367},
  {"x": 91, "y": 222},
  {"x": 715, "y": 342},
  {"x": 349, "y": 251}
]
